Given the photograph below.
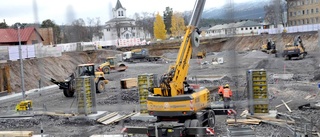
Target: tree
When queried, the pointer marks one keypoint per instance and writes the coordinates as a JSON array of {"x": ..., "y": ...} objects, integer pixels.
[
  {"x": 167, "y": 15},
  {"x": 177, "y": 24},
  {"x": 274, "y": 12},
  {"x": 56, "y": 30},
  {"x": 3, "y": 25},
  {"x": 145, "y": 21},
  {"x": 186, "y": 16},
  {"x": 159, "y": 28},
  {"x": 94, "y": 28}
]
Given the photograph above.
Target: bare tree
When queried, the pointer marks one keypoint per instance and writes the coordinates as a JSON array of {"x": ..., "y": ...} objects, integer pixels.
[
  {"x": 186, "y": 16},
  {"x": 145, "y": 22},
  {"x": 94, "y": 28},
  {"x": 274, "y": 12}
]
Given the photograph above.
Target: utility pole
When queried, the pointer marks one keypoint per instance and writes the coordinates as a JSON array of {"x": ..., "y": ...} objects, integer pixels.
[{"x": 21, "y": 64}]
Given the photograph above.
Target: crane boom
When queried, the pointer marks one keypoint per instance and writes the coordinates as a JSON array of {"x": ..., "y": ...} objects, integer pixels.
[{"x": 171, "y": 83}]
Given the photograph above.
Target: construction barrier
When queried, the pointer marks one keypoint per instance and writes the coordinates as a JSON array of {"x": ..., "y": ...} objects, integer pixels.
[
  {"x": 145, "y": 81},
  {"x": 257, "y": 85},
  {"x": 86, "y": 95}
]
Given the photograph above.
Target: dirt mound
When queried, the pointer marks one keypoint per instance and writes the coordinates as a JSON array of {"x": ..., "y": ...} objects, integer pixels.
[{"x": 51, "y": 67}]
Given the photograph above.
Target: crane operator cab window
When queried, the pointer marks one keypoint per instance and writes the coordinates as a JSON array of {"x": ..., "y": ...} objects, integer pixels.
[
  {"x": 186, "y": 87},
  {"x": 87, "y": 70}
]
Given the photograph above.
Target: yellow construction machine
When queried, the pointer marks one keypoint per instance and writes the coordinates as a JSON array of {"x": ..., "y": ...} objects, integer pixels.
[
  {"x": 295, "y": 50},
  {"x": 24, "y": 105},
  {"x": 68, "y": 85},
  {"x": 201, "y": 54},
  {"x": 269, "y": 48},
  {"x": 111, "y": 63},
  {"x": 180, "y": 111}
]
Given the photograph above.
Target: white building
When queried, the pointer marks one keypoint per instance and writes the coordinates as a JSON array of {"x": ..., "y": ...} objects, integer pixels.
[
  {"x": 122, "y": 27},
  {"x": 237, "y": 28}
]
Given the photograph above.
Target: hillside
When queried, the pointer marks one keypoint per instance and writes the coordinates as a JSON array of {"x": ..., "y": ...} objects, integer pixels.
[{"x": 247, "y": 10}]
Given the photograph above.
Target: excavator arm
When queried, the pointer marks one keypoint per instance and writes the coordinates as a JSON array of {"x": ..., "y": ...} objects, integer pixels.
[{"x": 171, "y": 83}]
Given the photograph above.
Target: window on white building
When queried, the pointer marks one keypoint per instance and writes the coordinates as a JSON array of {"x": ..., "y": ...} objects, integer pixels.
[
  {"x": 307, "y": 11},
  {"x": 311, "y": 11},
  {"x": 302, "y": 12},
  {"x": 241, "y": 28},
  {"x": 302, "y": 22},
  {"x": 133, "y": 28},
  {"x": 250, "y": 28},
  {"x": 133, "y": 34},
  {"x": 127, "y": 36},
  {"x": 121, "y": 13},
  {"x": 246, "y": 28},
  {"x": 317, "y": 10},
  {"x": 255, "y": 27},
  {"x": 108, "y": 29},
  {"x": 125, "y": 28}
]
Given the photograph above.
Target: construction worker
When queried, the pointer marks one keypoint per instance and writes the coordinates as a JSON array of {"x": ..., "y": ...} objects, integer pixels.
[
  {"x": 227, "y": 94},
  {"x": 220, "y": 93}
]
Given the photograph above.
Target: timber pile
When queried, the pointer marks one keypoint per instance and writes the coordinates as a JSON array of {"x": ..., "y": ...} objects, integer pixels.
[
  {"x": 243, "y": 121},
  {"x": 16, "y": 133},
  {"x": 129, "y": 83}
]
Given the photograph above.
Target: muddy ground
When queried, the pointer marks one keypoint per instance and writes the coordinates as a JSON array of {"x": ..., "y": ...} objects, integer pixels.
[{"x": 305, "y": 72}]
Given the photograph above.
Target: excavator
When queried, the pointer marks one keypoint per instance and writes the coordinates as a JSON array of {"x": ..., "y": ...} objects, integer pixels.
[
  {"x": 180, "y": 112},
  {"x": 270, "y": 47},
  {"x": 295, "y": 50}
]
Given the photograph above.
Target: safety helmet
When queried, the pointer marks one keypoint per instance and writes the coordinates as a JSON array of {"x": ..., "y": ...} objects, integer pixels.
[{"x": 226, "y": 86}]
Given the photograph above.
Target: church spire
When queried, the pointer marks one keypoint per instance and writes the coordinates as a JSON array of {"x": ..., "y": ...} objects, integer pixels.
[{"x": 118, "y": 5}]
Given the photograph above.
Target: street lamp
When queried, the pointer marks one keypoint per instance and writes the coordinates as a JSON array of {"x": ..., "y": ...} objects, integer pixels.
[{"x": 21, "y": 63}]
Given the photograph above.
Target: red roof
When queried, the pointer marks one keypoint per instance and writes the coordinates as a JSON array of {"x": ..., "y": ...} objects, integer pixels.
[{"x": 11, "y": 35}]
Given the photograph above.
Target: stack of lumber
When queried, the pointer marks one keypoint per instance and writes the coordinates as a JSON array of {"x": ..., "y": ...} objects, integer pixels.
[
  {"x": 243, "y": 121},
  {"x": 16, "y": 133},
  {"x": 129, "y": 83}
]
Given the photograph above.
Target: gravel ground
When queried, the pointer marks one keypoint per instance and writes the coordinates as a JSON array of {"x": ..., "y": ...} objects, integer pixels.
[{"x": 125, "y": 101}]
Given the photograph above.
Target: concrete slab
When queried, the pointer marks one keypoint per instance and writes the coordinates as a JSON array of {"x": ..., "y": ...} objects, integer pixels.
[
  {"x": 283, "y": 76},
  {"x": 143, "y": 117},
  {"x": 98, "y": 115}
]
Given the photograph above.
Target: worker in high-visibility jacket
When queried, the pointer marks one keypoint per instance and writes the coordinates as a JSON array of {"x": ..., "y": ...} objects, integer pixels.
[
  {"x": 227, "y": 94},
  {"x": 220, "y": 93}
]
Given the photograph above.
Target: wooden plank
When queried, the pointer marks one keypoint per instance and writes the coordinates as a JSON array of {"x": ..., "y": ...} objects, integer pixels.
[
  {"x": 1, "y": 80},
  {"x": 286, "y": 105},
  {"x": 109, "y": 116},
  {"x": 53, "y": 114},
  {"x": 16, "y": 133},
  {"x": 7, "y": 78},
  {"x": 283, "y": 104},
  {"x": 244, "y": 121},
  {"x": 129, "y": 83}
]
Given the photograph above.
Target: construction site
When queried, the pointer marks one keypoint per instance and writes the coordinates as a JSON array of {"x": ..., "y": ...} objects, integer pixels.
[
  {"x": 235, "y": 86},
  {"x": 290, "y": 83}
]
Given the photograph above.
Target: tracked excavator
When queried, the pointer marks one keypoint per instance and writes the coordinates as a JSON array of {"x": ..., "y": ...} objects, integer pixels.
[
  {"x": 181, "y": 112},
  {"x": 295, "y": 50}
]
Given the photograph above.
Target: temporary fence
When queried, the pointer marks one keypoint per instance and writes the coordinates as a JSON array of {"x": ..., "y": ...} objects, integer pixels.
[{"x": 292, "y": 29}]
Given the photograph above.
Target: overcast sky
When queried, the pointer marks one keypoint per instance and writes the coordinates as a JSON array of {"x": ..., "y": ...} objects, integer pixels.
[{"x": 64, "y": 11}]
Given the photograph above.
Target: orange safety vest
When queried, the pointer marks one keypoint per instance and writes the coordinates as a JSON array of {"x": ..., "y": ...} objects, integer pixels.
[
  {"x": 220, "y": 91},
  {"x": 227, "y": 93}
]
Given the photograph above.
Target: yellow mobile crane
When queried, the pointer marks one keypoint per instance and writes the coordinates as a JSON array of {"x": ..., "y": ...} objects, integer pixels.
[{"x": 180, "y": 112}]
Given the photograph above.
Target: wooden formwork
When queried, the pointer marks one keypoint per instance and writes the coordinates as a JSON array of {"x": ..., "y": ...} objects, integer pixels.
[{"x": 5, "y": 79}]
